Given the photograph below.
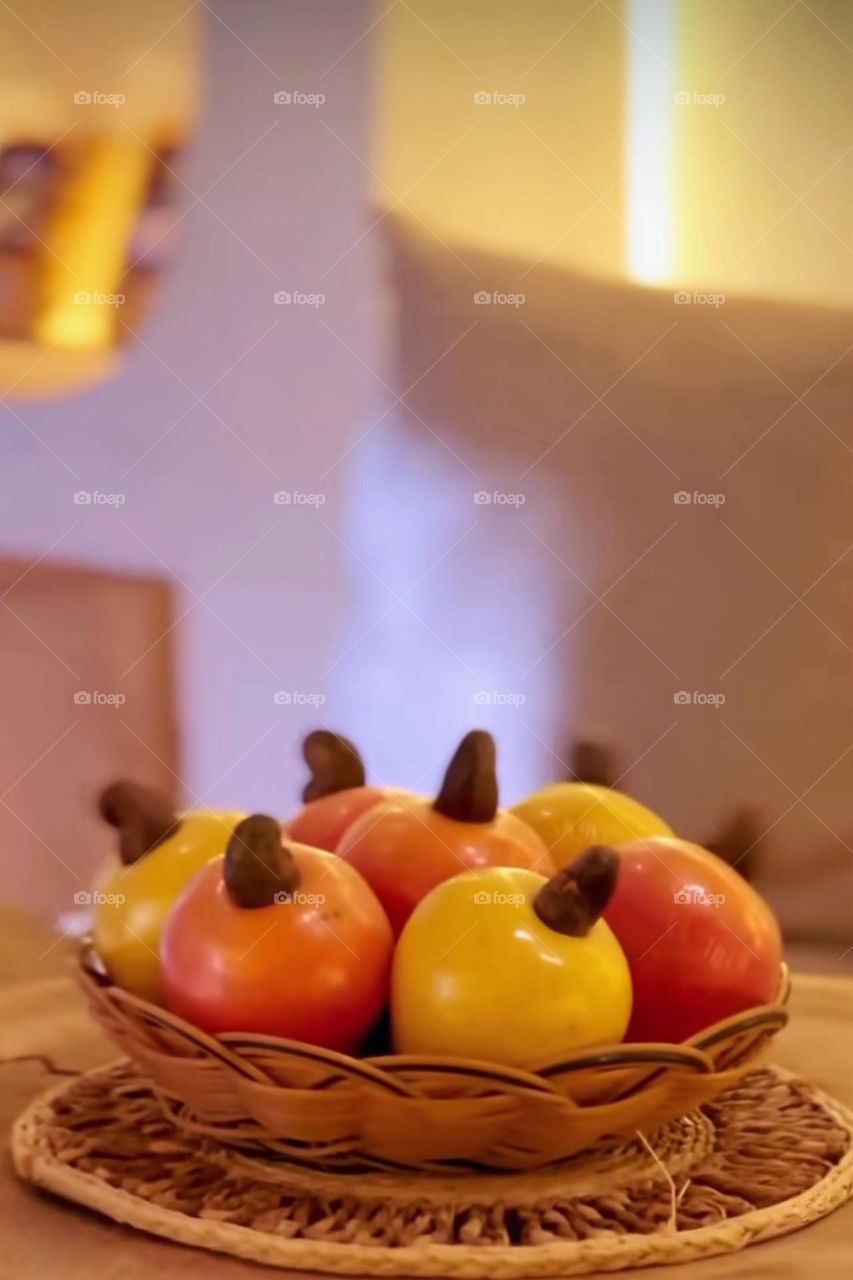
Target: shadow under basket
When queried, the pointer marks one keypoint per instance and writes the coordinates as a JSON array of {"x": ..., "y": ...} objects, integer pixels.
[{"x": 296, "y": 1102}]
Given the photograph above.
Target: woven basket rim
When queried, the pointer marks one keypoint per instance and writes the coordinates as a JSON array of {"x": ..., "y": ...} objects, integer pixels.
[
  {"x": 691, "y": 1054},
  {"x": 315, "y": 1106}
]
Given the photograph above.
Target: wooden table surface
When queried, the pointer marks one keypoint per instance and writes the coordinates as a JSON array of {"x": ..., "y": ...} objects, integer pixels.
[{"x": 42, "y": 1238}]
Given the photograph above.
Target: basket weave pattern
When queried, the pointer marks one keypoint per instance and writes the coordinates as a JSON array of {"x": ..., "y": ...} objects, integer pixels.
[{"x": 330, "y": 1111}]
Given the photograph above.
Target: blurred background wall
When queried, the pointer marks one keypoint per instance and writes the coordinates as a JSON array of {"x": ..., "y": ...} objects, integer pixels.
[
  {"x": 553, "y": 399},
  {"x": 621, "y": 460},
  {"x": 224, "y": 400}
]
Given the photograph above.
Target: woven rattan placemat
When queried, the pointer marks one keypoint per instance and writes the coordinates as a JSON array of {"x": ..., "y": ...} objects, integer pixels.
[{"x": 768, "y": 1157}]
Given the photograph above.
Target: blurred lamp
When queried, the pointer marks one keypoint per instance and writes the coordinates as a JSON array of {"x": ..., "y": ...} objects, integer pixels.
[{"x": 94, "y": 108}]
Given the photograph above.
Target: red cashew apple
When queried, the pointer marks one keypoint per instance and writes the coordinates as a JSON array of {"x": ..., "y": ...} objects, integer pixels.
[
  {"x": 281, "y": 940},
  {"x": 336, "y": 794},
  {"x": 701, "y": 943},
  {"x": 406, "y": 845}
]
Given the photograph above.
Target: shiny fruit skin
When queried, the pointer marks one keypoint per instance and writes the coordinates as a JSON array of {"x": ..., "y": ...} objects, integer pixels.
[
  {"x": 314, "y": 969},
  {"x": 572, "y": 816},
  {"x": 404, "y": 847},
  {"x": 323, "y": 822},
  {"x": 694, "y": 958},
  {"x": 488, "y": 980},
  {"x": 131, "y": 903}
]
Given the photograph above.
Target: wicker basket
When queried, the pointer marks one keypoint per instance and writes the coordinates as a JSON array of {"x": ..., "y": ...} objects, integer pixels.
[{"x": 324, "y": 1109}]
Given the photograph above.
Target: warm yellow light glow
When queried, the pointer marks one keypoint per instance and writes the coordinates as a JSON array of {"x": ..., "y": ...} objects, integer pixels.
[
  {"x": 500, "y": 126},
  {"x": 650, "y": 104},
  {"x": 86, "y": 241},
  {"x": 679, "y": 143}
]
